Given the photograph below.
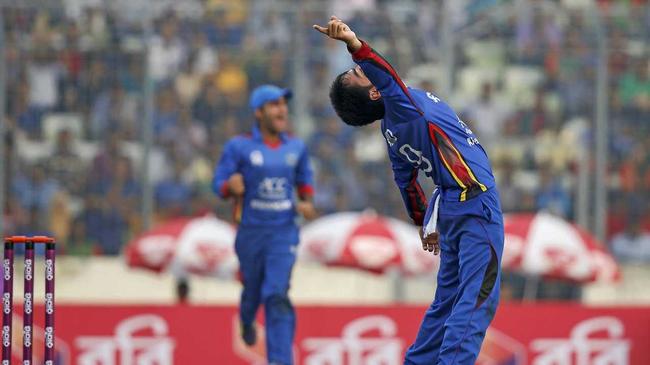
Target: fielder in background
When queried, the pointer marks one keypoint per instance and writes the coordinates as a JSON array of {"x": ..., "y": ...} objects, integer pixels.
[
  {"x": 463, "y": 219},
  {"x": 261, "y": 170}
]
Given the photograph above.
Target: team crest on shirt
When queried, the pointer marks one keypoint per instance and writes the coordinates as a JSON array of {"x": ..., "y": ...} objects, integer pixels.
[
  {"x": 390, "y": 137},
  {"x": 257, "y": 159},
  {"x": 291, "y": 159}
]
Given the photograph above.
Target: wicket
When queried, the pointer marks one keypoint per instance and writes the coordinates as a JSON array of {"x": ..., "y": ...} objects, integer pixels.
[{"x": 7, "y": 297}]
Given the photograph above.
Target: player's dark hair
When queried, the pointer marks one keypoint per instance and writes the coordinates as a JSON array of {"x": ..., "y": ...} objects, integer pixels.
[{"x": 352, "y": 103}]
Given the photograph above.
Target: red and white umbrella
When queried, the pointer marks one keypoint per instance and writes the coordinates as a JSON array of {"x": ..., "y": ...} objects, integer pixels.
[
  {"x": 203, "y": 245},
  {"x": 366, "y": 241},
  {"x": 545, "y": 245}
]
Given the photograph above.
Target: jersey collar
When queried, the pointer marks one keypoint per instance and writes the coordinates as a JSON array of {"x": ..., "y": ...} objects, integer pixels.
[{"x": 257, "y": 135}]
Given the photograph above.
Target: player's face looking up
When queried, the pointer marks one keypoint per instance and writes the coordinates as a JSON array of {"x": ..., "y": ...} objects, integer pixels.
[
  {"x": 274, "y": 116},
  {"x": 355, "y": 76},
  {"x": 356, "y": 101}
]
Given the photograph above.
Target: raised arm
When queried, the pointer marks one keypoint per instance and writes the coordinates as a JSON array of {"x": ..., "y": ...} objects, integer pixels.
[{"x": 396, "y": 96}]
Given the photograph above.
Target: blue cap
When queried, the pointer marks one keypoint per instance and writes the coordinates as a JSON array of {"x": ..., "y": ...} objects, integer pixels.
[{"x": 265, "y": 93}]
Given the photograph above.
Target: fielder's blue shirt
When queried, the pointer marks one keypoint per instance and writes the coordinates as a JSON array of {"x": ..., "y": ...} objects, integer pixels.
[
  {"x": 423, "y": 133},
  {"x": 271, "y": 173}
]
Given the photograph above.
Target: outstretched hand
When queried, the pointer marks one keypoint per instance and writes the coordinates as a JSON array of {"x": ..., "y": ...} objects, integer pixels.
[{"x": 338, "y": 30}]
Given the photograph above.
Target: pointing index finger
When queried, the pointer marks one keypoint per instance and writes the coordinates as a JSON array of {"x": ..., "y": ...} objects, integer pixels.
[{"x": 321, "y": 29}]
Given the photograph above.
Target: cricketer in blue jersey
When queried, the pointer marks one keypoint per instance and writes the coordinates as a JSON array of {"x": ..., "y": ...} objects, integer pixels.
[
  {"x": 463, "y": 220},
  {"x": 262, "y": 171}
]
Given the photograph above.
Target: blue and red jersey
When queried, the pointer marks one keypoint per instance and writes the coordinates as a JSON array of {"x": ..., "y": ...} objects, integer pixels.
[
  {"x": 424, "y": 133},
  {"x": 271, "y": 175}
]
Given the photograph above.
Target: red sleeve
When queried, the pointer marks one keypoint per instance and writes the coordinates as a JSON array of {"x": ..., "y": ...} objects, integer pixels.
[
  {"x": 416, "y": 202},
  {"x": 225, "y": 191},
  {"x": 384, "y": 77},
  {"x": 361, "y": 53},
  {"x": 305, "y": 191}
]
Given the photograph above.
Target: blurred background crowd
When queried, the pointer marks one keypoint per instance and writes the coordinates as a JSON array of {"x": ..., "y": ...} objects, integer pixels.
[{"x": 95, "y": 91}]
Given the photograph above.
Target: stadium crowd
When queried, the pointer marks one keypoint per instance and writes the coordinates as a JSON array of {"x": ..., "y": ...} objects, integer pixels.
[{"x": 524, "y": 80}]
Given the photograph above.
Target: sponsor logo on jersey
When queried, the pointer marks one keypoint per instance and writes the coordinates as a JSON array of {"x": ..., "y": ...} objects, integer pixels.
[
  {"x": 276, "y": 206},
  {"x": 273, "y": 188}
]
